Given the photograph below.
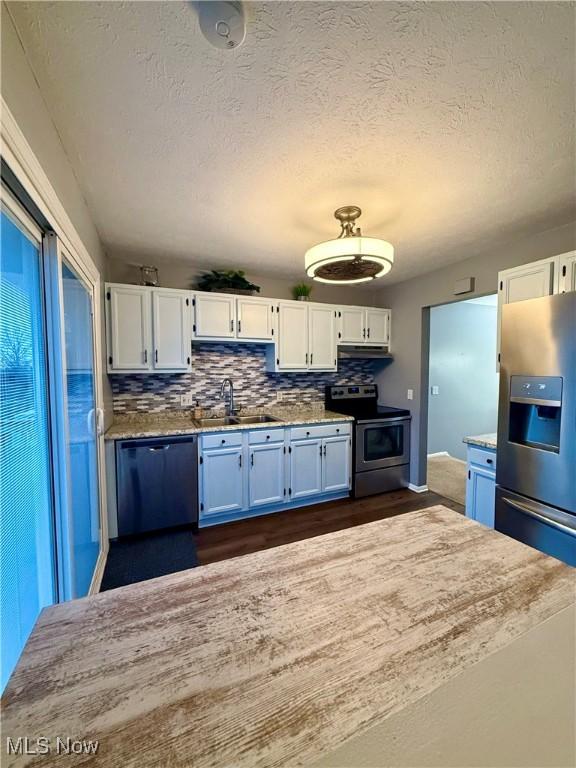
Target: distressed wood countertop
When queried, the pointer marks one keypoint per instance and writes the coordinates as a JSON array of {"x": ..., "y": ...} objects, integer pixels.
[{"x": 278, "y": 657}]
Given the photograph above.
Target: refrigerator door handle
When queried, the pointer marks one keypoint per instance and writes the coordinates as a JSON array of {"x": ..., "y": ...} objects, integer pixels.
[{"x": 527, "y": 510}]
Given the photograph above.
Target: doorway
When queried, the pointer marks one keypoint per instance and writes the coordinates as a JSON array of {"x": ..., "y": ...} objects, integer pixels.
[{"x": 463, "y": 388}]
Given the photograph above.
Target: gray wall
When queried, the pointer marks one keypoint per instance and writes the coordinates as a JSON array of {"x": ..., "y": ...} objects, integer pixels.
[
  {"x": 462, "y": 366},
  {"x": 176, "y": 274},
  {"x": 409, "y": 301},
  {"x": 22, "y": 95}
]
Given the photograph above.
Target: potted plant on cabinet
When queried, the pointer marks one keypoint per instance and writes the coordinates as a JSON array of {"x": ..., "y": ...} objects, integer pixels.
[
  {"x": 302, "y": 291},
  {"x": 227, "y": 281}
]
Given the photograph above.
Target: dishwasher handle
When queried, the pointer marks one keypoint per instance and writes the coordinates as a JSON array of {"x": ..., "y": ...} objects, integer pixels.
[{"x": 155, "y": 448}]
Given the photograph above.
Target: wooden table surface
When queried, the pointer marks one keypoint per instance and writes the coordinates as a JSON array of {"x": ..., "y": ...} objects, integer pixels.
[{"x": 278, "y": 657}]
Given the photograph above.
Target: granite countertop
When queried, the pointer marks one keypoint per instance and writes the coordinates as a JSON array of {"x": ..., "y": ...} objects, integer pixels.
[
  {"x": 484, "y": 441},
  {"x": 182, "y": 423},
  {"x": 279, "y": 657}
]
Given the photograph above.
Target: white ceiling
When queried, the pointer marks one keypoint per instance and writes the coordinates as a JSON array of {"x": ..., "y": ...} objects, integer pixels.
[{"x": 450, "y": 124}]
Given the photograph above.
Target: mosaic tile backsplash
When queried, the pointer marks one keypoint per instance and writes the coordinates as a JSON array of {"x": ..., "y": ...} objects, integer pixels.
[{"x": 245, "y": 364}]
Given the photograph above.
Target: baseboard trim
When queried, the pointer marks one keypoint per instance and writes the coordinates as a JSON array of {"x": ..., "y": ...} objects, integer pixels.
[
  {"x": 417, "y": 488},
  {"x": 440, "y": 453},
  {"x": 99, "y": 570}
]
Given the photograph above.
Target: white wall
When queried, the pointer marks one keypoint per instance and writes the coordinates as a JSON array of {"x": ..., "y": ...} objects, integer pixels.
[
  {"x": 463, "y": 368},
  {"x": 409, "y": 302},
  {"x": 180, "y": 274}
]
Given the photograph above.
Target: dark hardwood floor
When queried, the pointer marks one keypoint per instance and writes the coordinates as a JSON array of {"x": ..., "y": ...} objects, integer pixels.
[{"x": 240, "y": 538}]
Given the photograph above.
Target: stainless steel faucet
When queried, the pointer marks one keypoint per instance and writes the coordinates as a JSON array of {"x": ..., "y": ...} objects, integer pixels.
[{"x": 230, "y": 410}]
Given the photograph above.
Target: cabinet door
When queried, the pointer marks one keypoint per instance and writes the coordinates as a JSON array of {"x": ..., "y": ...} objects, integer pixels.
[
  {"x": 568, "y": 272},
  {"x": 222, "y": 487},
  {"x": 322, "y": 338},
  {"x": 305, "y": 468},
  {"x": 352, "y": 325},
  {"x": 530, "y": 281},
  {"x": 254, "y": 319},
  {"x": 336, "y": 464},
  {"x": 293, "y": 336},
  {"x": 129, "y": 328},
  {"x": 481, "y": 495},
  {"x": 266, "y": 474},
  {"x": 377, "y": 326},
  {"x": 171, "y": 329},
  {"x": 215, "y": 316}
]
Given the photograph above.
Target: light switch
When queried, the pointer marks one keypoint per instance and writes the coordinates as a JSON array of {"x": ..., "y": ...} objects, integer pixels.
[
  {"x": 186, "y": 400},
  {"x": 435, "y": 390},
  {"x": 410, "y": 394}
]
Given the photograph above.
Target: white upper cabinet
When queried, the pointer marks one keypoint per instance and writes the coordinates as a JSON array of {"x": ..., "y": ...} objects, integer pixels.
[
  {"x": 352, "y": 327},
  {"x": 171, "y": 329},
  {"x": 292, "y": 344},
  {"x": 377, "y": 326},
  {"x": 363, "y": 325},
  {"x": 214, "y": 316},
  {"x": 322, "y": 337},
  {"x": 128, "y": 328},
  {"x": 567, "y": 272},
  {"x": 255, "y": 319}
]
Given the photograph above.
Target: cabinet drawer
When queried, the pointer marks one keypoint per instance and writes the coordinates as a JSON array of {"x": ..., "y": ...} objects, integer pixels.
[
  {"x": 319, "y": 430},
  {"x": 482, "y": 458},
  {"x": 259, "y": 436},
  {"x": 219, "y": 439}
]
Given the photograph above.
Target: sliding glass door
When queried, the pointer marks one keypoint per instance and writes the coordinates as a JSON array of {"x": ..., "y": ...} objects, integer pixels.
[
  {"x": 27, "y": 542},
  {"x": 82, "y": 529}
]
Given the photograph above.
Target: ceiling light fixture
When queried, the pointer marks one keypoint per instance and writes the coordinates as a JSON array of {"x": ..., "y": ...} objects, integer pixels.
[{"x": 351, "y": 257}]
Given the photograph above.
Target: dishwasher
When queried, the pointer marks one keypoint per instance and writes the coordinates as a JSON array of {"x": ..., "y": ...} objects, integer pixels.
[{"x": 157, "y": 483}]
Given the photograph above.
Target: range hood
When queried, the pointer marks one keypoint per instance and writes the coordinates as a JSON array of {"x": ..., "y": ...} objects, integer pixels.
[{"x": 364, "y": 351}]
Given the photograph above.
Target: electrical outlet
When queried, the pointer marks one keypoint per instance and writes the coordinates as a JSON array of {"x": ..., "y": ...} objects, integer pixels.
[
  {"x": 410, "y": 394},
  {"x": 186, "y": 400},
  {"x": 435, "y": 389},
  {"x": 281, "y": 396}
]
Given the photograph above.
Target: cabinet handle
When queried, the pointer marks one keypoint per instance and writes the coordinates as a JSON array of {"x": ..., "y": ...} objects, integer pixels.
[
  {"x": 364, "y": 332},
  {"x": 320, "y": 449},
  {"x": 223, "y": 441},
  {"x": 337, "y": 430},
  {"x": 311, "y": 353},
  {"x": 156, "y": 356},
  {"x": 251, "y": 459},
  {"x": 368, "y": 333},
  {"x": 232, "y": 326},
  {"x": 239, "y": 326},
  {"x": 489, "y": 461},
  {"x": 145, "y": 355},
  {"x": 239, "y": 459},
  {"x": 306, "y": 358},
  {"x": 324, "y": 449},
  {"x": 307, "y": 434},
  {"x": 267, "y": 437}
]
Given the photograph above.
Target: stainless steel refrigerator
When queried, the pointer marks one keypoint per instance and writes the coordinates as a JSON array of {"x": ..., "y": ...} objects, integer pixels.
[{"x": 536, "y": 459}]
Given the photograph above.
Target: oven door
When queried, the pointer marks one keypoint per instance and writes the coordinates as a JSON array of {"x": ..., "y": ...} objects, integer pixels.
[{"x": 381, "y": 444}]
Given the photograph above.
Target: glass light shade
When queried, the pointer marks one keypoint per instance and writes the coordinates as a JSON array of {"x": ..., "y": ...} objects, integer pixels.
[{"x": 345, "y": 250}]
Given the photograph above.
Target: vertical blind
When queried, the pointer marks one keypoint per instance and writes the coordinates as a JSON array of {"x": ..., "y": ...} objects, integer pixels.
[{"x": 27, "y": 547}]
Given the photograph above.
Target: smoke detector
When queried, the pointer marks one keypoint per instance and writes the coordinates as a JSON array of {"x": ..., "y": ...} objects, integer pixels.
[{"x": 222, "y": 23}]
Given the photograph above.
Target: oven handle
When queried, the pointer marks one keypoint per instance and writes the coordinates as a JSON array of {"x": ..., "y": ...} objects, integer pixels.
[
  {"x": 525, "y": 509},
  {"x": 393, "y": 420}
]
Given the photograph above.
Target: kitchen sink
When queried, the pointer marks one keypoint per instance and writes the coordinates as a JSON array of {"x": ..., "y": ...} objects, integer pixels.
[
  {"x": 255, "y": 419},
  {"x": 224, "y": 421}
]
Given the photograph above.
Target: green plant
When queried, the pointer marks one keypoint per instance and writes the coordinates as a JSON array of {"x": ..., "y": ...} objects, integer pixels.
[
  {"x": 225, "y": 280},
  {"x": 302, "y": 289}
]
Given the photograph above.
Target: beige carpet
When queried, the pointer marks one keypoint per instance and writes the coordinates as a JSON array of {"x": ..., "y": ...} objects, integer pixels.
[{"x": 447, "y": 476}]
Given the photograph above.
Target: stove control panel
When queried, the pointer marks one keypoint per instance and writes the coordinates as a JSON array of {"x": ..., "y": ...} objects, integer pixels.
[{"x": 348, "y": 392}]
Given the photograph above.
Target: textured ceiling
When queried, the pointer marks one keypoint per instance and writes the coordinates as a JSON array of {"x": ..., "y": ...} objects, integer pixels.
[{"x": 450, "y": 124}]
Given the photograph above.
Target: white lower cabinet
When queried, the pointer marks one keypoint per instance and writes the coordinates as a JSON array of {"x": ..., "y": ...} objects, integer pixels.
[
  {"x": 222, "y": 480},
  {"x": 305, "y": 468},
  {"x": 267, "y": 474},
  {"x": 243, "y": 472},
  {"x": 481, "y": 485},
  {"x": 336, "y": 463}
]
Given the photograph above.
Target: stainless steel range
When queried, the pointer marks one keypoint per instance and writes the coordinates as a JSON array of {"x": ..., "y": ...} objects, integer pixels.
[{"x": 381, "y": 445}]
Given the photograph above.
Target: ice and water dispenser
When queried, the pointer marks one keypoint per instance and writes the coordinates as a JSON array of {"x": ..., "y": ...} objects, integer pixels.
[{"x": 536, "y": 411}]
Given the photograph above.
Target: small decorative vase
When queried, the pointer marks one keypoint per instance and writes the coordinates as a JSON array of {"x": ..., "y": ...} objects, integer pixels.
[{"x": 303, "y": 298}]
